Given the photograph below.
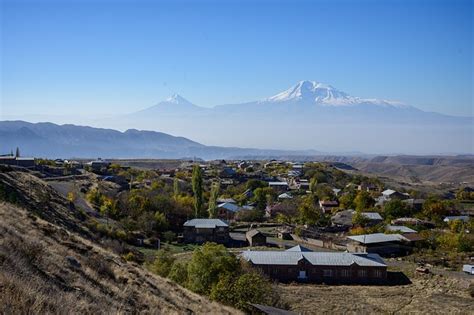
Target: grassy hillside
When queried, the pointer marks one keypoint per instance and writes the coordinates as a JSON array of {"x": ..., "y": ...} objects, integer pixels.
[{"x": 51, "y": 263}]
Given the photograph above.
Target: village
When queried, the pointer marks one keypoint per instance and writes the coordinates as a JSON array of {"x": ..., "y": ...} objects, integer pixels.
[{"x": 293, "y": 222}]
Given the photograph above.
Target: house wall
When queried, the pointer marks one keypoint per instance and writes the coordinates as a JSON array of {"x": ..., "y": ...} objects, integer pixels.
[
  {"x": 218, "y": 235},
  {"x": 325, "y": 274},
  {"x": 383, "y": 249},
  {"x": 257, "y": 240}
]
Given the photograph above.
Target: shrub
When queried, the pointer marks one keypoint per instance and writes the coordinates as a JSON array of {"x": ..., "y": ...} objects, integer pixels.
[
  {"x": 163, "y": 263},
  {"x": 129, "y": 256},
  {"x": 208, "y": 264},
  {"x": 169, "y": 236},
  {"x": 179, "y": 273},
  {"x": 103, "y": 268}
]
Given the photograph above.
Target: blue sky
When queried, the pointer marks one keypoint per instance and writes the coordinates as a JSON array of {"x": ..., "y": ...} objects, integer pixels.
[{"x": 99, "y": 57}]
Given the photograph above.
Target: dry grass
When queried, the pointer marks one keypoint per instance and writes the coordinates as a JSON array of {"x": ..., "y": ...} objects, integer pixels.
[
  {"x": 48, "y": 267},
  {"x": 428, "y": 294}
]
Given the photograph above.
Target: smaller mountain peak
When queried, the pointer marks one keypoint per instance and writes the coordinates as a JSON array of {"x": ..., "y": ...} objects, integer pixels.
[{"x": 176, "y": 99}]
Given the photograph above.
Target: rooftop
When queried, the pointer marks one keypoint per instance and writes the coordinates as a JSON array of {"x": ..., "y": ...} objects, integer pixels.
[
  {"x": 298, "y": 248},
  {"x": 376, "y": 238},
  {"x": 372, "y": 215},
  {"x": 314, "y": 258},
  {"x": 400, "y": 228},
  {"x": 229, "y": 206},
  {"x": 206, "y": 223}
]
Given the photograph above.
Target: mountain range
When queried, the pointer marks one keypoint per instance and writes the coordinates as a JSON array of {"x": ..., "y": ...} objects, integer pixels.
[
  {"x": 309, "y": 115},
  {"x": 70, "y": 141}
]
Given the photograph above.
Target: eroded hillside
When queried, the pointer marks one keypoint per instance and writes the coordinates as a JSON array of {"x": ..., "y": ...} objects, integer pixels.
[{"x": 51, "y": 263}]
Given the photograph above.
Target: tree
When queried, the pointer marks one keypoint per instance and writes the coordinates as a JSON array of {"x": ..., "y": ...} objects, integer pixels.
[
  {"x": 313, "y": 184},
  {"x": 363, "y": 201},
  {"x": 261, "y": 196},
  {"x": 435, "y": 209},
  {"x": 17, "y": 153},
  {"x": 208, "y": 264},
  {"x": 197, "y": 190},
  {"x": 212, "y": 209},
  {"x": 162, "y": 263},
  {"x": 347, "y": 201},
  {"x": 324, "y": 192},
  {"x": 251, "y": 288},
  {"x": 253, "y": 184},
  {"x": 176, "y": 190},
  {"x": 308, "y": 212},
  {"x": 359, "y": 219},
  {"x": 161, "y": 222},
  {"x": 169, "y": 236},
  {"x": 395, "y": 209},
  {"x": 107, "y": 209},
  {"x": 179, "y": 273}
]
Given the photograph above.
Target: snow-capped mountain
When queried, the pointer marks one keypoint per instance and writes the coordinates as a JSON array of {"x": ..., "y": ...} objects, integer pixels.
[
  {"x": 173, "y": 105},
  {"x": 308, "y": 115},
  {"x": 311, "y": 92}
]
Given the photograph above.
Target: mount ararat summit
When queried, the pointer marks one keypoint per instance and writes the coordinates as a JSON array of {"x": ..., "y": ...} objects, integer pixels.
[{"x": 309, "y": 115}]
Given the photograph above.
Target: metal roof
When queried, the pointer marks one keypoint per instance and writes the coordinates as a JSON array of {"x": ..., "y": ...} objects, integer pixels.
[
  {"x": 229, "y": 206},
  {"x": 388, "y": 192},
  {"x": 372, "y": 215},
  {"x": 464, "y": 218},
  {"x": 206, "y": 223},
  {"x": 376, "y": 238},
  {"x": 285, "y": 196},
  {"x": 252, "y": 233},
  {"x": 277, "y": 183},
  {"x": 298, "y": 248},
  {"x": 401, "y": 228},
  {"x": 314, "y": 258}
]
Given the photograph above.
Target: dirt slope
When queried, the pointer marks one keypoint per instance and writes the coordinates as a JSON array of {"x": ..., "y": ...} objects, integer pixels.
[{"x": 51, "y": 263}]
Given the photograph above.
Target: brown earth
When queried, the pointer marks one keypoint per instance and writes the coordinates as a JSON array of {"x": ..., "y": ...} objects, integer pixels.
[{"x": 427, "y": 294}]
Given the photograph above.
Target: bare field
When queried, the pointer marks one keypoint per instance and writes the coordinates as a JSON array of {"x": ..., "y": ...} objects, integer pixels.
[{"x": 428, "y": 294}]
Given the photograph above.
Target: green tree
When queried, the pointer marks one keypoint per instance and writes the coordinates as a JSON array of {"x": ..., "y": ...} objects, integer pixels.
[
  {"x": 197, "y": 190},
  {"x": 359, "y": 219},
  {"x": 161, "y": 222},
  {"x": 179, "y": 273},
  {"x": 17, "y": 153},
  {"x": 363, "y": 201},
  {"x": 162, "y": 263},
  {"x": 251, "y": 288},
  {"x": 435, "y": 209},
  {"x": 176, "y": 190},
  {"x": 346, "y": 201},
  {"x": 253, "y": 184},
  {"x": 208, "y": 264},
  {"x": 212, "y": 209},
  {"x": 261, "y": 196},
  {"x": 107, "y": 209},
  {"x": 313, "y": 183},
  {"x": 395, "y": 209},
  {"x": 308, "y": 212}
]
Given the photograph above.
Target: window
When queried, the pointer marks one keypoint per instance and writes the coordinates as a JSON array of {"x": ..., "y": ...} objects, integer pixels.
[
  {"x": 377, "y": 273},
  {"x": 362, "y": 273},
  {"x": 327, "y": 273},
  {"x": 345, "y": 273}
]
